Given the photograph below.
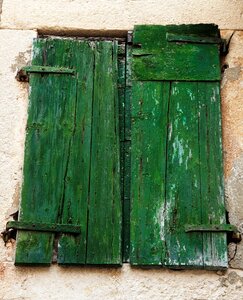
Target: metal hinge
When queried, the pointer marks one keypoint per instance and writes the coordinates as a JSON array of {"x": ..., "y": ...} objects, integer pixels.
[
  {"x": 129, "y": 37},
  {"x": 215, "y": 228},
  {"x": 23, "y": 73},
  {"x": 44, "y": 227}
]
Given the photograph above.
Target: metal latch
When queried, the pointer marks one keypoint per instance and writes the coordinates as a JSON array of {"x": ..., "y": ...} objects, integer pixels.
[
  {"x": 23, "y": 73},
  {"x": 215, "y": 228}
]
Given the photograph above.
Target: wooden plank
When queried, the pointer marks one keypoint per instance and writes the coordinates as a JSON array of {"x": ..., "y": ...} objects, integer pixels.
[
  {"x": 121, "y": 102},
  {"x": 50, "y": 127},
  {"x": 121, "y": 88},
  {"x": 104, "y": 218},
  {"x": 155, "y": 58},
  {"x": 148, "y": 166},
  {"x": 126, "y": 201},
  {"x": 211, "y": 170},
  {"x": 127, "y": 158},
  {"x": 128, "y": 95},
  {"x": 72, "y": 249},
  {"x": 183, "y": 205}
]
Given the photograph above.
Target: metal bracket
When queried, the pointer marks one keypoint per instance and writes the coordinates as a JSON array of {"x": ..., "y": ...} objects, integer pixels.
[
  {"x": 223, "y": 47},
  {"x": 23, "y": 73},
  {"x": 43, "y": 227},
  {"x": 236, "y": 235},
  {"x": 211, "y": 228},
  {"x": 129, "y": 37}
]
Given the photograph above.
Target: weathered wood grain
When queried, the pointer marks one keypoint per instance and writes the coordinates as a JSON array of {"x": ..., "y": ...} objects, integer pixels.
[
  {"x": 127, "y": 157},
  {"x": 148, "y": 165},
  {"x": 72, "y": 249},
  {"x": 104, "y": 217},
  {"x": 183, "y": 203},
  {"x": 211, "y": 170}
]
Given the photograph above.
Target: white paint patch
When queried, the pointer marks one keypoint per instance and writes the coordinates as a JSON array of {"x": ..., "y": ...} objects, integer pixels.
[
  {"x": 178, "y": 149},
  {"x": 213, "y": 97},
  {"x": 175, "y": 90},
  {"x": 178, "y": 108},
  {"x": 188, "y": 157},
  {"x": 160, "y": 221},
  {"x": 170, "y": 131},
  {"x": 192, "y": 96}
]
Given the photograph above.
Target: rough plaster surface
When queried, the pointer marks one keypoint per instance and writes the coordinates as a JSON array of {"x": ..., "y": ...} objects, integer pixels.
[
  {"x": 25, "y": 283},
  {"x": 232, "y": 100},
  {"x": 118, "y": 284},
  {"x": 232, "y": 112},
  {"x": 77, "y": 15},
  {"x": 234, "y": 200},
  {"x": 15, "y": 49},
  {"x": 1, "y": 2}
]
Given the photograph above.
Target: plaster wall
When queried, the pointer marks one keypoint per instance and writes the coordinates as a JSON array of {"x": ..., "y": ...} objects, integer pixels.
[
  {"x": 121, "y": 15},
  {"x": 19, "y": 21}
]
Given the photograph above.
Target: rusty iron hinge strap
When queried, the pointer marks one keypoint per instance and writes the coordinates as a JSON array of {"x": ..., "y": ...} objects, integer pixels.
[
  {"x": 228, "y": 228},
  {"x": 23, "y": 73},
  {"x": 211, "y": 228},
  {"x": 44, "y": 227}
]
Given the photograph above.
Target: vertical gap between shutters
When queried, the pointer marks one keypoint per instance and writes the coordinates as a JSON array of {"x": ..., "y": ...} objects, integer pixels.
[{"x": 89, "y": 184}]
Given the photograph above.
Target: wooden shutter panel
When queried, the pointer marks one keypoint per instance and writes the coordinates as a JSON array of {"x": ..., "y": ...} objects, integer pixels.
[
  {"x": 71, "y": 169},
  {"x": 176, "y": 154}
]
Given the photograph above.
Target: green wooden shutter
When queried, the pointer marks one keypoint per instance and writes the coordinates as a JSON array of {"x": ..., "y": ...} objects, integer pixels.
[
  {"x": 71, "y": 165},
  {"x": 176, "y": 154}
]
